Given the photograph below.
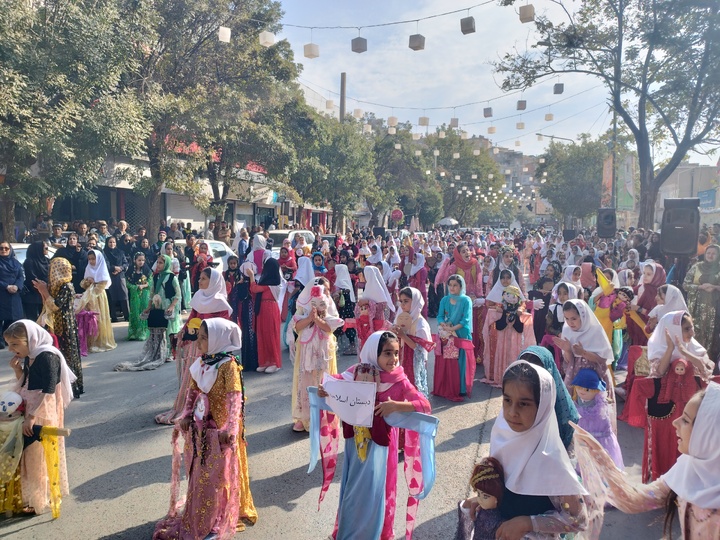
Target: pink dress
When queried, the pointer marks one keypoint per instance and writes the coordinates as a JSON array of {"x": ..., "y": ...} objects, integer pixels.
[{"x": 502, "y": 348}]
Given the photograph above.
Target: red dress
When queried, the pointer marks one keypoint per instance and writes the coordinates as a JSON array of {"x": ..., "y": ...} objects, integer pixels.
[{"x": 267, "y": 327}]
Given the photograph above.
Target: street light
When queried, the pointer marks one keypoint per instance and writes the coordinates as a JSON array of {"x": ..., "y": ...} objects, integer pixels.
[{"x": 555, "y": 137}]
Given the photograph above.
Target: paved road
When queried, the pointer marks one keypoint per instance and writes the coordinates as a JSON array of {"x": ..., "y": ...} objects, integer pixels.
[{"x": 119, "y": 460}]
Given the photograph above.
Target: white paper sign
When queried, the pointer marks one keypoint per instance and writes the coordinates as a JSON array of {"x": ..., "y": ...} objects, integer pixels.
[{"x": 352, "y": 401}]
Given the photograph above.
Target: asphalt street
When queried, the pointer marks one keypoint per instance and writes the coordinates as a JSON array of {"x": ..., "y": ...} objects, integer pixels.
[{"x": 119, "y": 459}]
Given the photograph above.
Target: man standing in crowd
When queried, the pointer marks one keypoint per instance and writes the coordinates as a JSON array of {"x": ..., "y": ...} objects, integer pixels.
[{"x": 57, "y": 240}]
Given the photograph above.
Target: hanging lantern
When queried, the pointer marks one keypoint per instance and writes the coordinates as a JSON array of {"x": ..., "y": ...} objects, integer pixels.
[
  {"x": 525, "y": 169},
  {"x": 454, "y": 122},
  {"x": 545, "y": 173},
  {"x": 457, "y": 177},
  {"x": 521, "y": 104},
  {"x": 398, "y": 146},
  {"x": 464, "y": 188},
  {"x": 267, "y": 39},
  {"x": 456, "y": 155},
  {"x": 464, "y": 135},
  {"x": 541, "y": 160},
  {"x": 477, "y": 188},
  {"x": 476, "y": 152},
  {"x": 491, "y": 130},
  {"x": 436, "y": 153},
  {"x": 417, "y": 42},
  {"x": 520, "y": 125},
  {"x": 474, "y": 177},
  {"x": 508, "y": 171},
  {"x": 392, "y": 121},
  {"x": 358, "y": 45},
  {"x": 549, "y": 117},
  {"x": 517, "y": 143},
  {"x": 459, "y": 191},
  {"x": 224, "y": 34},
  {"x": 418, "y": 152},
  {"x": 358, "y": 113},
  {"x": 416, "y": 136},
  {"x": 496, "y": 150},
  {"x": 424, "y": 121},
  {"x": 487, "y": 112},
  {"x": 329, "y": 104},
  {"x": 311, "y": 50},
  {"x": 441, "y": 135},
  {"x": 527, "y": 13},
  {"x": 558, "y": 88},
  {"x": 442, "y": 173},
  {"x": 392, "y": 131},
  {"x": 490, "y": 177},
  {"x": 467, "y": 25},
  {"x": 539, "y": 137},
  {"x": 367, "y": 128},
  {"x": 452, "y": 184}
]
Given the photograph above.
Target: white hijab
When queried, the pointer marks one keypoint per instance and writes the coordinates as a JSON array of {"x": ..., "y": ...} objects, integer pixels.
[
  {"x": 418, "y": 264},
  {"x": 259, "y": 242},
  {"x": 214, "y": 298},
  {"x": 674, "y": 301},
  {"x": 393, "y": 257},
  {"x": 524, "y": 454},
  {"x": 343, "y": 281},
  {"x": 375, "y": 288},
  {"x": 40, "y": 341},
  {"x": 304, "y": 273},
  {"x": 657, "y": 344},
  {"x": 591, "y": 333},
  {"x": 496, "y": 292},
  {"x": 568, "y": 277},
  {"x": 420, "y": 327},
  {"x": 99, "y": 272},
  {"x": 375, "y": 257},
  {"x": 223, "y": 336},
  {"x": 695, "y": 477}
]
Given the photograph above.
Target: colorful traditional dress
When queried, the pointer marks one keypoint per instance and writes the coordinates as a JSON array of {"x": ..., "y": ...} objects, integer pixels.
[
  {"x": 703, "y": 305},
  {"x": 96, "y": 279},
  {"x": 267, "y": 314},
  {"x": 414, "y": 361},
  {"x": 139, "y": 284}
]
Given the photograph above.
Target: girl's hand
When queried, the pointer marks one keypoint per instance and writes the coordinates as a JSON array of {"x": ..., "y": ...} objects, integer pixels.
[
  {"x": 16, "y": 364},
  {"x": 669, "y": 340},
  {"x": 578, "y": 349},
  {"x": 225, "y": 438},
  {"x": 514, "y": 529},
  {"x": 385, "y": 408},
  {"x": 28, "y": 424},
  {"x": 184, "y": 423},
  {"x": 585, "y": 438},
  {"x": 562, "y": 343},
  {"x": 41, "y": 287},
  {"x": 321, "y": 391}
]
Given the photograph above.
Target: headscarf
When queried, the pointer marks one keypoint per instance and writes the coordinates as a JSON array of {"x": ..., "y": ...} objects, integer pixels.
[
  {"x": 495, "y": 294},
  {"x": 695, "y": 477},
  {"x": 8, "y": 263},
  {"x": 289, "y": 261},
  {"x": 623, "y": 275},
  {"x": 420, "y": 326},
  {"x": 460, "y": 262},
  {"x": 214, "y": 298},
  {"x": 223, "y": 337},
  {"x": 320, "y": 268},
  {"x": 130, "y": 273},
  {"x": 710, "y": 269},
  {"x": 568, "y": 276},
  {"x": 36, "y": 263},
  {"x": 376, "y": 257},
  {"x": 459, "y": 279},
  {"x": 59, "y": 274},
  {"x": 647, "y": 292},
  {"x": 40, "y": 341},
  {"x": 343, "y": 281},
  {"x": 419, "y": 263},
  {"x": 393, "y": 257},
  {"x": 587, "y": 275},
  {"x": 99, "y": 272},
  {"x": 635, "y": 258},
  {"x": 304, "y": 274},
  {"x": 674, "y": 301},
  {"x": 657, "y": 344},
  {"x": 114, "y": 256},
  {"x": 375, "y": 288},
  {"x": 259, "y": 242},
  {"x": 271, "y": 278},
  {"x": 591, "y": 333},
  {"x": 565, "y": 409},
  {"x": 524, "y": 454}
]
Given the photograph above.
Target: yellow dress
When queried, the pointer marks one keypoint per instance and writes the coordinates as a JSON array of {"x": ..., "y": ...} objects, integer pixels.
[{"x": 95, "y": 299}]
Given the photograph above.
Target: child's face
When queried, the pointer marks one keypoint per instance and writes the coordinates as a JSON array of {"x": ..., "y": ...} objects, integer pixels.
[
  {"x": 519, "y": 407},
  {"x": 203, "y": 281},
  {"x": 576, "y": 274},
  {"x": 586, "y": 394},
  {"x": 232, "y": 264},
  {"x": 562, "y": 295},
  {"x": 572, "y": 319},
  {"x": 139, "y": 262},
  {"x": 487, "y": 501},
  {"x": 202, "y": 340},
  {"x": 547, "y": 287},
  {"x": 19, "y": 347},
  {"x": 454, "y": 287},
  {"x": 405, "y": 303},
  {"x": 388, "y": 357},
  {"x": 648, "y": 273},
  {"x": 660, "y": 299},
  {"x": 505, "y": 281},
  {"x": 317, "y": 260},
  {"x": 630, "y": 279}
]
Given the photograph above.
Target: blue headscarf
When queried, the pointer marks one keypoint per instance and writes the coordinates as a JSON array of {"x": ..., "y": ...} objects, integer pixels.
[
  {"x": 565, "y": 409},
  {"x": 461, "y": 280},
  {"x": 320, "y": 268}
]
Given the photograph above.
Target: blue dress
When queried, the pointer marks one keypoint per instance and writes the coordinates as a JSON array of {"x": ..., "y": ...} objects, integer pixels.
[{"x": 458, "y": 313}]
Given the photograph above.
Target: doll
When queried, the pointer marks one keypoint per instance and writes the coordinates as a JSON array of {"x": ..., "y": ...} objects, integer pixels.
[
  {"x": 510, "y": 306},
  {"x": 623, "y": 297},
  {"x": 595, "y": 412},
  {"x": 488, "y": 480},
  {"x": 364, "y": 326},
  {"x": 12, "y": 410}
]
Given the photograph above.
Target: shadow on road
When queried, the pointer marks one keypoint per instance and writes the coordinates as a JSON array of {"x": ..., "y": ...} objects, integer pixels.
[
  {"x": 120, "y": 481},
  {"x": 273, "y": 438},
  {"x": 141, "y": 531},
  {"x": 281, "y": 490}
]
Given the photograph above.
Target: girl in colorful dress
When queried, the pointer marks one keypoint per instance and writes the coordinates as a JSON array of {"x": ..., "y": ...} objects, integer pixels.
[
  {"x": 314, "y": 322},
  {"x": 139, "y": 282},
  {"x": 201, "y": 260},
  {"x": 555, "y": 319},
  {"x": 370, "y": 310},
  {"x": 288, "y": 267},
  {"x": 218, "y": 498},
  {"x": 368, "y": 491},
  {"x": 318, "y": 264},
  {"x": 653, "y": 276},
  {"x": 454, "y": 355},
  {"x": 702, "y": 284},
  {"x": 669, "y": 298},
  {"x": 418, "y": 278},
  {"x": 59, "y": 316},
  {"x": 345, "y": 301},
  {"x": 266, "y": 291},
  {"x": 415, "y": 337},
  {"x": 44, "y": 381},
  {"x": 96, "y": 279},
  {"x": 691, "y": 487},
  {"x": 208, "y": 302}
]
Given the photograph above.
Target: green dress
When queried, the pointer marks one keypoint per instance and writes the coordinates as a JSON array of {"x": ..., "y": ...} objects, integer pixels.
[
  {"x": 139, "y": 299},
  {"x": 703, "y": 305}
]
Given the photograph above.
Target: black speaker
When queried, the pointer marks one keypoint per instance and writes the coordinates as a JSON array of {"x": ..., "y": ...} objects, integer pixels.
[
  {"x": 569, "y": 235},
  {"x": 680, "y": 226},
  {"x": 606, "y": 223},
  {"x": 379, "y": 231}
]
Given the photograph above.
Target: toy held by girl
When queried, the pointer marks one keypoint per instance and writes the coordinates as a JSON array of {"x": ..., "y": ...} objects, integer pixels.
[
  {"x": 511, "y": 304},
  {"x": 488, "y": 481},
  {"x": 595, "y": 412},
  {"x": 368, "y": 491},
  {"x": 314, "y": 322},
  {"x": 212, "y": 426},
  {"x": 415, "y": 337},
  {"x": 12, "y": 410},
  {"x": 345, "y": 301}
]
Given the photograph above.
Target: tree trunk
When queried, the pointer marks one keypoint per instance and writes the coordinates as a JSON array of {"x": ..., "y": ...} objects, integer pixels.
[
  {"x": 154, "y": 197},
  {"x": 648, "y": 194},
  {"x": 7, "y": 218}
]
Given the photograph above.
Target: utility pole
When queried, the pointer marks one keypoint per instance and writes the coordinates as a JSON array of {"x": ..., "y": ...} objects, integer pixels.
[{"x": 343, "y": 87}]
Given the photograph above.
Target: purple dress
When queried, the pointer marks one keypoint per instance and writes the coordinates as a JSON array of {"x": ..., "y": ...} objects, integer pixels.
[
  {"x": 595, "y": 418},
  {"x": 484, "y": 527}
]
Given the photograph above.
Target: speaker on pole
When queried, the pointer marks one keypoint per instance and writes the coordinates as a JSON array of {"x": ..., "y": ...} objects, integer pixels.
[
  {"x": 569, "y": 235},
  {"x": 606, "y": 223},
  {"x": 680, "y": 226}
]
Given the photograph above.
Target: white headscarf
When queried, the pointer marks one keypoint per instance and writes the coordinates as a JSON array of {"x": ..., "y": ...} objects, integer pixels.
[
  {"x": 495, "y": 294},
  {"x": 657, "y": 344},
  {"x": 418, "y": 264},
  {"x": 591, "y": 333},
  {"x": 375, "y": 288},
  {"x": 368, "y": 354},
  {"x": 674, "y": 301},
  {"x": 343, "y": 281},
  {"x": 214, "y": 298},
  {"x": 393, "y": 257},
  {"x": 248, "y": 264},
  {"x": 259, "y": 242},
  {"x": 568, "y": 277},
  {"x": 99, "y": 272},
  {"x": 304, "y": 272},
  {"x": 40, "y": 341},
  {"x": 420, "y": 327},
  {"x": 375, "y": 257},
  {"x": 540, "y": 448},
  {"x": 223, "y": 336},
  {"x": 572, "y": 294},
  {"x": 695, "y": 477},
  {"x": 486, "y": 278},
  {"x": 389, "y": 275}
]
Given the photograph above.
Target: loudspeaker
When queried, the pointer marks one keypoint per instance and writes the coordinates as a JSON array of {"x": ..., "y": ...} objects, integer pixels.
[
  {"x": 569, "y": 235},
  {"x": 606, "y": 223},
  {"x": 680, "y": 226},
  {"x": 379, "y": 231}
]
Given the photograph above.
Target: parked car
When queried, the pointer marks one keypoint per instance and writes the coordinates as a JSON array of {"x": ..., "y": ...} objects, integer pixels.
[
  {"x": 219, "y": 251},
  {"x": 279, "y": 235},
  {"x": 21, "y": 251}
]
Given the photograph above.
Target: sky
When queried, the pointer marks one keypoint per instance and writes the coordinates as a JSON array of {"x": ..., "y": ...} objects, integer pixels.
[{"x": 452, "y": 71}]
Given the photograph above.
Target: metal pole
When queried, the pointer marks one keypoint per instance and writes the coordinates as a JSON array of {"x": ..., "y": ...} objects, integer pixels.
[
  {"x": 343, "y": 85},
  {"x": 613, "y": 198}
]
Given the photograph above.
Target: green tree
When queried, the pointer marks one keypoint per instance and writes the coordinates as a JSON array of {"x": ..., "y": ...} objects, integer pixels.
[
  {"x": 658, "y": 61},
  {"x": 61, "y": 110},
  {"x": 574, "y": 177}
]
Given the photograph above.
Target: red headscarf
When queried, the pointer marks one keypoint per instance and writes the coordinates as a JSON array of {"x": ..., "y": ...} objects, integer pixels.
[
  {"x": 460, "y": 262},
  {"x": 289, "y": 261},
  {"x": 648, "y": 291}
]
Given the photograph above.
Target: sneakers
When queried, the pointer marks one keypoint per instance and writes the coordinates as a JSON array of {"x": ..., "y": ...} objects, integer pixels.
[
  {"x": 260, "y": 369},
  {"x": 271, "y": 369}
]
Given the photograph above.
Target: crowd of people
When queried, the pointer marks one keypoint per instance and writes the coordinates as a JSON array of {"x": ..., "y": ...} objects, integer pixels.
[{"x": 564, "y": 327}]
